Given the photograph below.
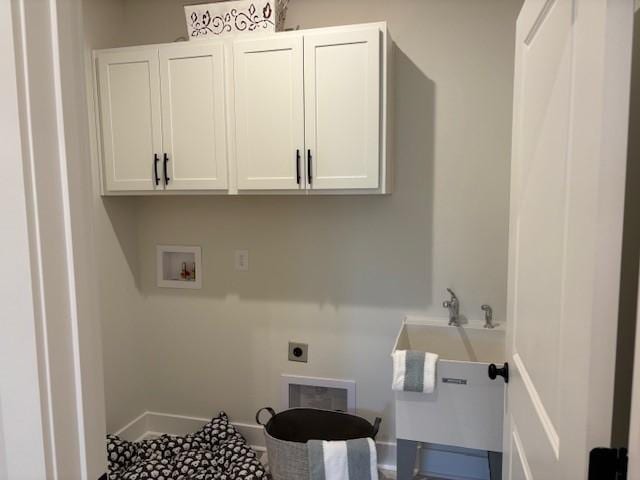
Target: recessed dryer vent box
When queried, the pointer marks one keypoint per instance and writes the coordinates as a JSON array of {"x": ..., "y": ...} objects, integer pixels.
[
  {"x": 178, "y": 266},
  {"x": 324, "y": 393}
]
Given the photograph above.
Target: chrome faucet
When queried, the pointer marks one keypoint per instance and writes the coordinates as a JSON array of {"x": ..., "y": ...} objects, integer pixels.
[
  {"x": 454, "y": 308},
  {"x": 488, "y": 316}
]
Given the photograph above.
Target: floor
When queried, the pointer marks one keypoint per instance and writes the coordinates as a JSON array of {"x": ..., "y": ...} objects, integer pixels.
[{"x": 386, "y": 475}]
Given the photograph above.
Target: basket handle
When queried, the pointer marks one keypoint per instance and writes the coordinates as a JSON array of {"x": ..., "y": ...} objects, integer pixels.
[
  {"x": 268, "y": 409},
  {"x": 376, "y": 427}
]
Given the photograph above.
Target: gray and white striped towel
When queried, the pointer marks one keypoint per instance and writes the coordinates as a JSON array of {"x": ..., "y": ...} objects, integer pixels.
[
  {"x": 414, "y": 371},
  {"x": 350, "y": 460}
]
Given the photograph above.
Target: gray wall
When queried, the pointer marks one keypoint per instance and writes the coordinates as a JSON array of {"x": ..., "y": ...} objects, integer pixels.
[
  {"x": 115, "y": 224},
  {"x": 337, "y": 272}
]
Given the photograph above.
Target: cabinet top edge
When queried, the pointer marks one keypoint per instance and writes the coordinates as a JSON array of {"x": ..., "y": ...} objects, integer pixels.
[{"x": 229, "y": 40}]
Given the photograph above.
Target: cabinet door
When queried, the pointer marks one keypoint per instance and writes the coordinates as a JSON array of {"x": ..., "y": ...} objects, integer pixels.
[
  {"x": 342, "y": 108},
  {"x": 129, "y": 90},
  {"x": 269, "y": 113},
  {"x": 194, "y": 136}
]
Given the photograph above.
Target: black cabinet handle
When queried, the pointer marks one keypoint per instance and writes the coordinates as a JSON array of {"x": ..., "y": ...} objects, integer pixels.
[
  {"x": 156, "y": 178},
  {"x": 298, "y": 166},
  {"x": 309, "y": 174},
  {"x": 166, "y": 175},
  {"x": 495, "y": 372}
]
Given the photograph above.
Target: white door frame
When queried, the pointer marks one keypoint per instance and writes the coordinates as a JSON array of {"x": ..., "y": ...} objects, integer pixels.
[
  {"x": 634, "y": 427},
  {"x": 634, "y": 423},
  {"x": 51, "y": 390},
  {"x": 24, "y": 446}
]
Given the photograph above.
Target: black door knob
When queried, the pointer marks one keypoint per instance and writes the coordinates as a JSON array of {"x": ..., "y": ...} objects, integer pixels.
[{"x": 494, "y": 372}]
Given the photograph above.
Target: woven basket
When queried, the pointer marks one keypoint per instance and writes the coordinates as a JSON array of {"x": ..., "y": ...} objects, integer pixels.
[{"x": 288, "y": 460}]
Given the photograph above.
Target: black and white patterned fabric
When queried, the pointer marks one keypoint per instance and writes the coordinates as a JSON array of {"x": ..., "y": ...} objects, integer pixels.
[
  {"x": 217, "y": 431},
  {"x": 234, "y": 451},
  {"x": 216, "y": 452},
  {"x": 158, "y": 469},
  {"x": 120, "y": 453},
  {"x": 153, "y": 449},
  {"x": 190, "y": 463}
]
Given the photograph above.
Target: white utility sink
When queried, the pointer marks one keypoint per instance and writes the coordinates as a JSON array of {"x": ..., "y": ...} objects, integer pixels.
[{"x": 466, "y": 408}]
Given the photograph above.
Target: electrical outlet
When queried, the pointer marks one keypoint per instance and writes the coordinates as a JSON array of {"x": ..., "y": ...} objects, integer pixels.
[
  {"x": 298, "y": 352},
  {"x": 242, "y": 260}
]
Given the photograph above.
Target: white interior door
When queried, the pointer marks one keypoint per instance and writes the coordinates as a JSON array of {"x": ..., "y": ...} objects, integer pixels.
[
  {"x": 194, "y": 136},
  {"x": 567, "y": 186},
  {"x": 342, "y": 108},
  {"x": 129, "y": 87},
  {"x": 269, "y": 113}
]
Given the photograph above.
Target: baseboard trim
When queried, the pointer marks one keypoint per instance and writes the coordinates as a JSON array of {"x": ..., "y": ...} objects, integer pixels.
[
  {"x": 135, "y": 429},
  {"x": 432, "y": 457}
]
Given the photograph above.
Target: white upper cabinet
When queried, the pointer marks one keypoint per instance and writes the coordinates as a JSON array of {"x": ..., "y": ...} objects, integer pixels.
[
  {"x": 130, "y": 118},
  {"x": 194, "y": 133},
  {"x": 269, "y": 113},
  {"x": 292, "y": 112},
  {"x": 163, "y": 120},
  {"x": 342, "y": 108}
]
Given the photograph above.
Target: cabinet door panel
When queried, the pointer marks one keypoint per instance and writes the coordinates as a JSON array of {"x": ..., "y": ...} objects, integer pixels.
[
  {"x": 193, "y": 116},
  {"x": 342, "y": 108},
  {"x": 130, "y": 118},
  {"x": 269, "y": 113}
]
